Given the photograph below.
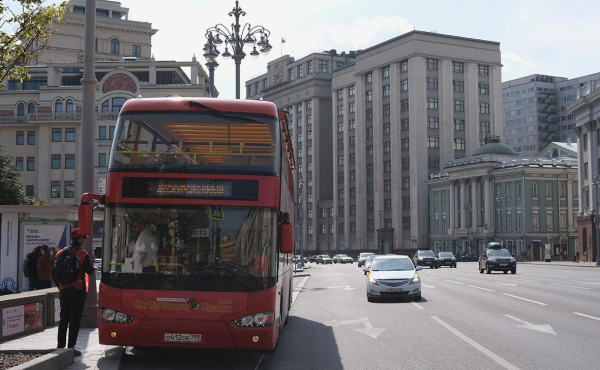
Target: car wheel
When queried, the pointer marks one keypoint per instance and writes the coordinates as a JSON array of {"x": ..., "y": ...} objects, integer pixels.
[
  {"x": 418, "y": 298},
  {"x": 437, "y": 267},
  {"x": 513, "y": 271},
  {"x": 506, "y": 271},
  {"x": 488, "y": 269},
  {"x": 430, "y": 267}
]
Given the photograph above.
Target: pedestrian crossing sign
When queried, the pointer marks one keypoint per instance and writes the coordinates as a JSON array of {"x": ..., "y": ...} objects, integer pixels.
[{"x": 216, "y": 213}]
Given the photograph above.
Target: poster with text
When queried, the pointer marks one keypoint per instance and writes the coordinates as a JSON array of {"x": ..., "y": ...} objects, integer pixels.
[
  {"x": 9, "y": 244},
  {"x": 56, "y": 310},
  {"x": 33, "y": 313},
  {"x": 12, "y": 320}
]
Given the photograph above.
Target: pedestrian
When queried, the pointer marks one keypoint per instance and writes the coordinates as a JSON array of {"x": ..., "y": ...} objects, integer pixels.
[
  {"x": 72, "y": 295},
  {"x": 585, "y": 255},
  {"x": 30, "y": 267},
  {"x": 577, "y": 256},
  {"x": 44, "y": 268}
]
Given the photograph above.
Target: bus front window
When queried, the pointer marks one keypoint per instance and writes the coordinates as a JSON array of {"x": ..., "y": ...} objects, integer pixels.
[{"x": 190, "y": 248}]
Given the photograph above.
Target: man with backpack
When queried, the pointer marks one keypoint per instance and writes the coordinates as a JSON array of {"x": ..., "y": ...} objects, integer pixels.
[
  {"x": 69, "y": 266},
  {"x": 30, "y": 267}
]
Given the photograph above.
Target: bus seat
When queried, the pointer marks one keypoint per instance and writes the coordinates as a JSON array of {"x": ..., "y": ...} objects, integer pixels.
[{"x": 234, "y": 160}]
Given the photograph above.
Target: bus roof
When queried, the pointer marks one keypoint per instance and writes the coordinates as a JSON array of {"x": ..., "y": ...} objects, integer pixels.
[{"x": 182, "y": 104}]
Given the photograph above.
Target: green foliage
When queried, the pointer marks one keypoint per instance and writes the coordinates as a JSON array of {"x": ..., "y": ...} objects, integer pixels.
[
  {"x": 11, "y": 190},
  {"x": 36, "y": 202},
  {"x": 25, "y": 29}
]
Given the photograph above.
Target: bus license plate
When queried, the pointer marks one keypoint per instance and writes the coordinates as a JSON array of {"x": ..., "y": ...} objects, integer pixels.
[{"x": 194, "y": 338}]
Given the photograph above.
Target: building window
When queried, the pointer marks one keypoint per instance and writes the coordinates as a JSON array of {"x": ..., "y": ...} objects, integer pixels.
[
  {"x": 563, "y": 221},
  {"x": 433, "y": 122},
  {"x": 459, "y": 144},
  {"x": 352, "y": 124},
  {"x": 111, "y": 132},
  {"x": 387, "y": 166},
  {"x": 340, "y": 94},
  {"x": 101, "y": 159},
  {"x": 433, "y": 142},
  {"x": 29, "y": 191},
  {"x": 69, "y": 106},
  {"x": 386, "y": 72},
  {"x": 387, "y": 147},
  {"x": 309, "y": 66},
  {"x": 432, "y": 103},
  {"x": 370, "y": 95},
  {"x": 369, "y": 150},
  {"x": 69, "y": 189},
  {"x": 310, "y": 230},
  {"x": 352, "y": 141},
  {"x": 55, "y": 189},
  {"x": 386, "y": 90},
  {"x": 309, "y": 150},
  {"x": 340, "y": 110},
  {"x": 115, "y": 46},
  {"x": 69, "y": 161},
  {"x": 406, "y": 222},
  {"x": 405, "y": 202},
  {"x": 117, "y": 104},
  {"x": 484, "y": 127},
  {"x": 309, "y": 104},
  {"x": 404, "y": 105},
  {"x": 369, "y": 132},
  {"x": 369, "y": 169},
  {"x": 406, "y": 183},
  {"x": 352, "y": 196},
  {"x": 20, "y": 137},
  {"x": 19, "y": 163},
  {"x": 459, "y": 106},
  {"x": 299, "y": 122},
  {"x": 548, "y": 189},
  {"x": 483, "y": 70},
  {"x": 484, "y": 89},
  {"x": 563, "y": 190},
  {"x": 459, "y": 124},
  {"x": 31, "y": 109},
  {"x": 432, "y": 83},
  {"x": 405, "y": 143},
  {"x": 57, "y": 135},
  {"x": 70, "y": 134},
  {"x": 369, "y": 114},
  {"x": 322, "y": 66},
  {"x": 432, "y": 64},
  {"x": 309, "y": 198},
  {"x": 136, "y": 50},
  {"x": 105, "y": 106},
  {"x": 386, "y": 110},
  {"x": 56, "y": 162},
  {"x": 549, "y": 222},
  {"x": 404, "y": 124},
  {"x": 519, "y": 221},
  {"x": 535, "y": 221},
  {"x": 433, "y": 162},
  {"x": 309, "y": 119},
  {"x": 352, "y": 158},
  {"x": 352, "y": 175},
  {"x": 459, "y": 86},
  {"x": 484, "y": 108},
  {"x": 351, "y": 107},
  {"x": 340, "y": 126},
  {"x": 404, "y": 85},
  {"x": 386, "y": 128},
  {"x": 299, "y": 152},
  {"x": 370, "y": 188},
  {"x": 404, "y": 66},
  {"x": 351, "y": 90},
  {"x": 387, "y": 185},
  {"x": 291, "y": 74},
  {"x": 58, "y": 106},
  {"x": 369, "y": 77},
  {"x": 405, "y": 163},
  {"x": 534, "y": 188},
  {"x": 458, "y": 67},
  {"x": 299, "y": 138},
  {"x": 30, "y": 163},
  {"x": 20, "y": 110}
]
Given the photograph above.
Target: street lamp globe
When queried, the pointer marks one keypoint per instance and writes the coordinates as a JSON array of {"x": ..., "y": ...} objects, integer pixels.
[
  {"x": 226, "y": 54},
  {"x": 254, "y": 53}
]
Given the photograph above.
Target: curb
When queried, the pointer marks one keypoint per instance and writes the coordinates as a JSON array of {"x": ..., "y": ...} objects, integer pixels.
[
  {"x": 111, "y": 358},
  {"x": 301, "y": 275},
  {"x": 561, "y": 265},
  {"x": 55, "y": 360}
]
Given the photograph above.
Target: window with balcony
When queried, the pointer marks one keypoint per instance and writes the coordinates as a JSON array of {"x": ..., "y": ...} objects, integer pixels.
[{"x": 56, "y": 161}]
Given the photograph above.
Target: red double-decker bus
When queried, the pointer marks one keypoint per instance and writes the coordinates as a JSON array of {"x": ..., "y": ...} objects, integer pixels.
[{"x": 198, "y": 240}]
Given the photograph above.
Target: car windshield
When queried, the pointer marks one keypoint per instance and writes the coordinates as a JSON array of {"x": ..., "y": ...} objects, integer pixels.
[
  {"x": 426, "y": 254},
  {"x": 325, "y": 256},
  {"x": 370, "y": 258},
  {"x": 364, "y": 255},
  {"x": 498, "y": 253},
  {"x": 343, "y": 255},
  {"x": 392, "y": 264},
  {"x": 188, "y": 248},
  {"x": 446, "y": 254}
]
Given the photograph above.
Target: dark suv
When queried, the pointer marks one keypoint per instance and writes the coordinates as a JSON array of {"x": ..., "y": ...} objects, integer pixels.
[
  {"x": 426, "y": 257},
  {"x": 497, "y": 258},
  {"x": 447, "y": 259}
]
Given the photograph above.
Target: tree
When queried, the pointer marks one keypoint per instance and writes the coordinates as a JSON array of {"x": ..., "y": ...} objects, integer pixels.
[
  {"x": 25, "y": 29},
  {"x": 11, "y": 190}
]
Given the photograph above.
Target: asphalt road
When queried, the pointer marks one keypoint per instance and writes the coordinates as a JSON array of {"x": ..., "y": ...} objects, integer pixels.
[{"x": 545, "y": 317}]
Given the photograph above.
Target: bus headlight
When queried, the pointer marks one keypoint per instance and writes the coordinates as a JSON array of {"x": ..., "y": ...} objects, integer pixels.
[
  {"x": 108, "y": 315},
  {"x": 259, "y": 319}
]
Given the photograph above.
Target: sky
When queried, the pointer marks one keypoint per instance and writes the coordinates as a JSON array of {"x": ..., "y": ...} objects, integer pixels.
[{"x": 550, "y": 37}]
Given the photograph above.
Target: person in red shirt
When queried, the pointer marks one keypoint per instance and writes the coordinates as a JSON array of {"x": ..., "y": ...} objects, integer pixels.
[
  {"x": 44, "y": 268},
  {"x": 72, "y": 296}
]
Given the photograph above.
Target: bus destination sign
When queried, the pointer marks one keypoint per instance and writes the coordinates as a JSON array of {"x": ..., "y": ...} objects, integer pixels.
[{"x": 140, "y": 187}]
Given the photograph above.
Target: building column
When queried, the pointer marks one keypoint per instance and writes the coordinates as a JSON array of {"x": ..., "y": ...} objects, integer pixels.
[
  {"x": 580, "y": 154},
  {"x": 592, "y": 162},
  {"x": 463, "y": 198},
  {"x": 488, "y": 201},
  {"x": 475, "y": 200},
  {"x": 452, "y": 220},
  {"x": 570, "y": 203}
]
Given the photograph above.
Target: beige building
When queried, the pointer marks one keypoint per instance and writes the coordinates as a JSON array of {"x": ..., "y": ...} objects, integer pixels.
[
  {"x": 406, "y": 108},
  {"x": 40, "y": 119}
]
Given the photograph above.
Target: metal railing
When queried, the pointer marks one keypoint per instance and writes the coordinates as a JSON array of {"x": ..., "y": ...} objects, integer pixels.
[{"x": 53, "y": 117}]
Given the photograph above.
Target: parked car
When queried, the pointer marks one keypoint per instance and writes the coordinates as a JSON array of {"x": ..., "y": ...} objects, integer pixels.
[
  {"x": 313, "y": 258},
  {"x": 426, "y": 257},
  {"x": 368, "y": 261},
  {"x": 324, "y": 259},
  {"x": 447, "y": 259},
  {"x": 393, "y": 276},
  {"x": 497, "y": 258},
  {"x": 362, "y": 257},
  {"x": 297, "y": 259},
  {"x": 342, "y": 258},
  {"x": 469, "y": 258}
]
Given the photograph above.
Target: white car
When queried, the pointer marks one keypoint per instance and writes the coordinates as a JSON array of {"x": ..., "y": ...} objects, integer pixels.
[
  {"x": 362, "y": 257},
  {"x": 393, "y": 276}
]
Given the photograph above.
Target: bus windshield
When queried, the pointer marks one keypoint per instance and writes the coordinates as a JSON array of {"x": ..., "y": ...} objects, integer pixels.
[
  {"x": 190, "y": 248},
  {"x": 195, "y": 142}
]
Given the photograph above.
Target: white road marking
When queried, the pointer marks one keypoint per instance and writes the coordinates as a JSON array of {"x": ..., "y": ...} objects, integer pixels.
[
  {"x": 417, "y": 305},
  {"x": 584, "y": 282},
  {"x": 455, "y": 282},
  {"x": 433, "y": 277},
  {"x": 570, "y": 286},
  {"x": 531, "y": 281},
  {"x": 427, "y": 286},
  {"x": 343, "y": 287},
  {"x": 499, "y": 360},
  {"x": 499, "y": 282},
  {"x": 525, "y": 299},
  {"x": 588, "y": 316},
  {"x": 259, "y": 361},
  {"x": 368, "y": 330},
  {"x": 527, "y": 325},
  {"x": 478, "y": 287},
  {"x": 298, "y": 289}
]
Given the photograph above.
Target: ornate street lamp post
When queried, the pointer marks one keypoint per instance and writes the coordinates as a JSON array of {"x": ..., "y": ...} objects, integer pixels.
[
  {"x": 237, "y": 37},
  {"x": 595, "y": 183}
]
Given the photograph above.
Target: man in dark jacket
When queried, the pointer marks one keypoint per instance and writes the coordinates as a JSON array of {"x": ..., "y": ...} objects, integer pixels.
[
  {"x": 72, "y": 296},
  {"x": 34, "y": 280}
]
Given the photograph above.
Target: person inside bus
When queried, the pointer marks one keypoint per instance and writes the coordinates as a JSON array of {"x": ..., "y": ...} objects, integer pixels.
[{"x": 145, "y": 249}]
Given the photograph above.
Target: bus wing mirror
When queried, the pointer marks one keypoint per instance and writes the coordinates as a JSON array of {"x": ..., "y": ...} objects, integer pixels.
[
  {"x": 286, "y": 242},
  {"x": 85, "y": 219}
]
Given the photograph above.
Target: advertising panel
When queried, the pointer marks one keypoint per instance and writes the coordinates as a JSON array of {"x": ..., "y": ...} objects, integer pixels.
[
  {"x": 34, "y": 315},
  {"x": 9, "y": 244},
  {"x": 12, "y": 320}
]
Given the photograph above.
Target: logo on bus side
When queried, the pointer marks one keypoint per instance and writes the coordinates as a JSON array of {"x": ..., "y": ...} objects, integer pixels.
[{"x": 184, "y": 304}]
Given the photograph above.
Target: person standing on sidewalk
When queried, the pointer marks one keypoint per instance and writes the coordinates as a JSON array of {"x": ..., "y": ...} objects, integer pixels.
[
  {"x": 72, "y": 296},
  {"x": 44, "y": 268},
  {"x": 30, "y": 268}
]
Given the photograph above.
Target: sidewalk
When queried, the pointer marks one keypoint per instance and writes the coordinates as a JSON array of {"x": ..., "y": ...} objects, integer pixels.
[
  {"x": 93, "y": 355},
  {"x": 562, "y": 263}
]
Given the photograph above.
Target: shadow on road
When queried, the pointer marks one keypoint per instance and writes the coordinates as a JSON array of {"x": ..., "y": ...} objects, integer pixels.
[{"x": 399, "y": 300}]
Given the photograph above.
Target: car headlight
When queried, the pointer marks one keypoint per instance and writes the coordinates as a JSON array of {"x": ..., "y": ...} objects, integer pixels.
[
  {"x": 420, "y": 258},
  {"x": 415, "y": 279},
  {"x": 491, "y": 260},
  {"x": 373, "y": 281},
  {"x": 513, "y": 260},
  {"x": 108, "y": 315},
  {"x": 453, "y": 259},
  {"x": 259, "y": 319}
]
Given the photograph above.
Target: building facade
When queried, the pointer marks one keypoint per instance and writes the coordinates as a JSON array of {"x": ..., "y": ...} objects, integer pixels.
[
  {"x": 535, "y": 111},
  {"x": 40, "y": 119},
  {"x": 586, "y": 110},
  {"x": 403, "y": 110},
  {"x": 303, "y": 88},
  {"x": 496, "y": 195}
]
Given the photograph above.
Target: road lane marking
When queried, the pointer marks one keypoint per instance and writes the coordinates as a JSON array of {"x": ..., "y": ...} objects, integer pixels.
[
  {"x": 525, "y": 299},
  {"x": 433, "y": 277},
  {"x": 584, "y": 282},
  {"x": 368, "y": 330},
  {"x": 298, "y": 289},
  {"x": 527, "y": 325},
  {"x": 588, "y": 316},
  {"x": 499, "y": 360},
  {"x": 455, "y": 282},
  {"x": 259, "y": 361},
  {"x": 499, "y": 282},
  {"x": 531, "y": 281},
  {"x": 570, "y": 286},
  {"x": 417, "y": 305},
  {"x": 478, "y": 287}
]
